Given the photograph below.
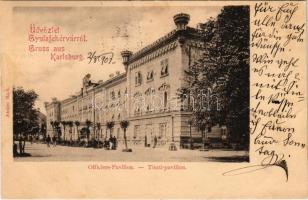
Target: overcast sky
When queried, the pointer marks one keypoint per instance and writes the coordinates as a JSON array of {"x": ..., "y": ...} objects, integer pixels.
[{"x": 107, "y": 29}]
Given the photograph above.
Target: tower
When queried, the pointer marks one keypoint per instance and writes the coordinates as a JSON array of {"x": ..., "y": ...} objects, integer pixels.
[
  {"x": 126, "y": 56},
  {"x": 181, "y": 20}
]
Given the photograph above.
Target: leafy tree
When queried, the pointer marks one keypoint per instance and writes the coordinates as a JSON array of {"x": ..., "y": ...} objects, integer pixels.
[
  {"x": 124, "y": 124},
  {"x": 57, "y": 129},
  {"x": 88, "y": 124},
  {"x": 70, "y": 124},
  {"x": 24, "y": 115},
  {"x": 98, "y": 125},
  {"x": 77, "y": 124},
  {"x": 64, "y": 123},
  {"x": 43, "y": 130},
  {"x": 222, "y": 75},
  {"x": 110, "y": 125}
]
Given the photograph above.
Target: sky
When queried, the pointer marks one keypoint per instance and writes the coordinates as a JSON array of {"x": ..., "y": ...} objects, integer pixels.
[{"x": 108, "y": 29}]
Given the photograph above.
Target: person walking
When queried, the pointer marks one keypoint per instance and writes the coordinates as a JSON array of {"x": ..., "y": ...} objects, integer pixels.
[
  {"x": 110, "y": 143},
  {"x": 48, "y": 140},
  {"x": 54, "y": 141}
]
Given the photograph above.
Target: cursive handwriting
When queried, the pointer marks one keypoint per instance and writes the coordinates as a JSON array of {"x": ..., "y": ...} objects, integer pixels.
[
  {"x": 103, "y": 58},
  {"x": 271, "y": 159},
  {"x": 276, "y": 85}
]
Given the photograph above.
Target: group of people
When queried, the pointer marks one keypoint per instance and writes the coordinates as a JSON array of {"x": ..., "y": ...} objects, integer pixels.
[
  {"x": 21, "y": 139},
  {"x": 51, "y": 140},
  {"x": 111, "y": 143},
  {"x": 155, "y": 140},
  {"x": 19, "y": 143}
]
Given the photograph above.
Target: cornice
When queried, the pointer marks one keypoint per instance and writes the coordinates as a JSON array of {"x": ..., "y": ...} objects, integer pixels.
[{"x": 164, "y": 45}]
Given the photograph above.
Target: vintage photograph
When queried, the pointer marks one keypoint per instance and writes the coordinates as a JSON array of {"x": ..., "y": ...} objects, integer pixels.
[{"x": 159, "y": 84}]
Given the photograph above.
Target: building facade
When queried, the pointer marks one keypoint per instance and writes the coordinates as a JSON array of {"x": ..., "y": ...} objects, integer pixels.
[{"x": 146, "y": 94}]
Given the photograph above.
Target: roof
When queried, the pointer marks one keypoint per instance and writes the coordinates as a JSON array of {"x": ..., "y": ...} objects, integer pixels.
[{"x": 166, "y": 39}]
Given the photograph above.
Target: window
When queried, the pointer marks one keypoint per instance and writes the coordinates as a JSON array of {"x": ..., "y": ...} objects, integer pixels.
[
  {"x": 138, "y": 78},
  {"x": 148, "y": 108},
  {"x": 119, "y": 117},
  {"x": 162, "y": 130},
  {"x": 136, "y": 131},
  {"x": 164, "y": 68},
  {"x": 165, "y": 99},
  {"x": 112, "y": 95},
  {"x": 150, "y": 76},
  {"x": 119, "y": 94}
]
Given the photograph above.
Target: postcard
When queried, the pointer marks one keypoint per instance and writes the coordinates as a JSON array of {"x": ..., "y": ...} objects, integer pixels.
[{"x": 154, "y": 99}]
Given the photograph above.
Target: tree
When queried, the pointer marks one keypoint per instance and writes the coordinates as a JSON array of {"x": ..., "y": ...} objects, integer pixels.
[
  {"x": 43, "y": 130},
  {"x": 52, "y": 126},
  {"x": 88, "y": 124},
  {"x": 57, "y": 128},
  {"x": 64, "y": 123},
  {"x": 98, "y": 125},
  {"x": 110, "y": 125},
  {"x": 124, "y": 124},
  {"x": 222, "y": 74},
  {"x": 190, "y": 123},
  {"x": 77, "y": 124},
  {"x": 24, "y": 114},
  {"x": 70, "y": 124}
]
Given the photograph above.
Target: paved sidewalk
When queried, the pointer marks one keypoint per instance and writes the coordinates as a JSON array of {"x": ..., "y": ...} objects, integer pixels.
[{"x": 40, "y": 152}]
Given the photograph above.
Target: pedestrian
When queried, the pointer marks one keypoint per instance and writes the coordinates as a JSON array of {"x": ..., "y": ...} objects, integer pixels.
[
  {"x": 110, "y": 143},
  {"x": 155, "y": 141},
  {"x": 22, "y": 144},
  {"x": 48, "y": 140},
  {"x": 19, "y": 144},
  {"x": 54, "y": 141}
]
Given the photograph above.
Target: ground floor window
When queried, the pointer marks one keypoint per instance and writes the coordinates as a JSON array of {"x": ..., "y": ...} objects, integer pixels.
[
  {"x": 162, "y": 130},
  {"x": 136, "y": 131}
]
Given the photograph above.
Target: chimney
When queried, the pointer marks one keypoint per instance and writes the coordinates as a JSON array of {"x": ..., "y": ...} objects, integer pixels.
[
  {"x": 181, "y": 20},
  {"x": 126, "y": 55}
]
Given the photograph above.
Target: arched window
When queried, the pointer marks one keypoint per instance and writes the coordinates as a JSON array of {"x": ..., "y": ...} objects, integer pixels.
[{"x": 138, "y": 78}]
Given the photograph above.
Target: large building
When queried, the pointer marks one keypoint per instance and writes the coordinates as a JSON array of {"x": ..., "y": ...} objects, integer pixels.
[{"x": 146, "y": 94}]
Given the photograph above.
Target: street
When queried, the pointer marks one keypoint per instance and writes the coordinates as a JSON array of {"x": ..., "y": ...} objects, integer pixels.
[{"x": 40, "y": 152}]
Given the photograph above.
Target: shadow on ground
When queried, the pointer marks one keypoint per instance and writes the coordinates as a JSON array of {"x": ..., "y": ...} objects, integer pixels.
[
  {"x": 229, "y": 159},
  {"x": 22, "y": 155}
]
